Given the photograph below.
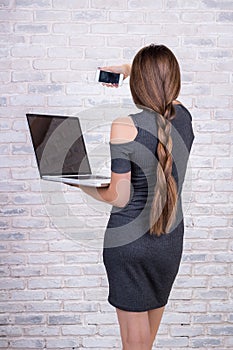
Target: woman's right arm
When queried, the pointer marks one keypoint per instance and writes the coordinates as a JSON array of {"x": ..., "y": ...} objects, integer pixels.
[{"x": 124, "y": 69}]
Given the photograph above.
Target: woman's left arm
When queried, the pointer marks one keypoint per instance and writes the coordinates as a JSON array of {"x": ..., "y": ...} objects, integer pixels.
[{"x": 118, "y": 192}]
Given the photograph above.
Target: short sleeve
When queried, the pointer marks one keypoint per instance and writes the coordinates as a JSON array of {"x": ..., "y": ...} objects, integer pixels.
[{"x": 120, "y": 157}]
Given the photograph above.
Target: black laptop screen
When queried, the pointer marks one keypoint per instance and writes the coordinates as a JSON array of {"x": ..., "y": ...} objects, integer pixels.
[{"x": 58, "y": 144}]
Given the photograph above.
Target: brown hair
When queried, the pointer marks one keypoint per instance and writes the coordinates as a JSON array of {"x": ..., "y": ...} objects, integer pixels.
[{"x": 155, "y": 84}]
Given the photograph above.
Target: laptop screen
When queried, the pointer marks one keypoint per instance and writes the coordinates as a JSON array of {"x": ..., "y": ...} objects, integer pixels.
[{"x": 59, "y": 145}]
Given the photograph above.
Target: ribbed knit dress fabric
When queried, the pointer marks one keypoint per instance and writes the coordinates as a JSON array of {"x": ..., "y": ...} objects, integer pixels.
[{"x": 141, "y": 268}]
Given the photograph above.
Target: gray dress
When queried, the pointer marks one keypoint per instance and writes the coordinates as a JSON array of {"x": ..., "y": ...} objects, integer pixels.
[{"x": 141, "y": 268}]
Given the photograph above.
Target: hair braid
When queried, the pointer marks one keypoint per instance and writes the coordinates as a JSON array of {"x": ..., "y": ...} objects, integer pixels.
[{"x": 165, "y": 189}]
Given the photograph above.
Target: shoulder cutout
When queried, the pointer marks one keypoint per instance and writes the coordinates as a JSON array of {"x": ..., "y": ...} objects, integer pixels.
[{"x": 123, "y": 130}]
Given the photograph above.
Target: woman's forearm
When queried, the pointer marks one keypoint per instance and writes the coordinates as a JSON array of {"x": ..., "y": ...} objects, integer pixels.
[
  {"x": 126, "y": 69},
  {"x": 117, "y": 194}
]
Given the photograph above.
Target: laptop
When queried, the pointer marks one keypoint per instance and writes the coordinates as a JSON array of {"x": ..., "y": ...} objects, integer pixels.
[{"x": 61, "y": 152}]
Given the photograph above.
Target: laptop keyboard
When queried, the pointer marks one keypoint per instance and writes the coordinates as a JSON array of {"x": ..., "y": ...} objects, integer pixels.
[{"x": 85, "y": 177}]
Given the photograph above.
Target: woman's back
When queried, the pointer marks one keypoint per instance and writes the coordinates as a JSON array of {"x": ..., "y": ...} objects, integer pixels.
[{"x": 140, "y": 156}]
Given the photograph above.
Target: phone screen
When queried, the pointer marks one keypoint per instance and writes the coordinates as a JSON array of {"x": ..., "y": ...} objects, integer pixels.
[{"x": 109, "y": 77}]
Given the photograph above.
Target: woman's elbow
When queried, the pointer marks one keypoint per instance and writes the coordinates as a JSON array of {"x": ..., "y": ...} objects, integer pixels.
[{"x": 121, "y": 201}]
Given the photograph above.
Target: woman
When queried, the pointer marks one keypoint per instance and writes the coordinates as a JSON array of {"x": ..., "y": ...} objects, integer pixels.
[{"x": 144, "y": 235}]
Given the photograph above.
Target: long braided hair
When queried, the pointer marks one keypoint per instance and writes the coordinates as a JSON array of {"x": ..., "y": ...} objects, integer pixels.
[{"x": 155, "y": 84}]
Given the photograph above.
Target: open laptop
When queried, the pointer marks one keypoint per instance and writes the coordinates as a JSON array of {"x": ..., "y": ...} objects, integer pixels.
[{"x": 61, "y": 152}]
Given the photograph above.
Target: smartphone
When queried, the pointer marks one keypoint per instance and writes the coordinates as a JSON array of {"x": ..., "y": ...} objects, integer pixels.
[{"x": 103, "y": 76}]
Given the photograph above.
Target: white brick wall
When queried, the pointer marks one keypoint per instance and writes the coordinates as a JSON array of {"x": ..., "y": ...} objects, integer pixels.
[{"x": 54, "y": 289}]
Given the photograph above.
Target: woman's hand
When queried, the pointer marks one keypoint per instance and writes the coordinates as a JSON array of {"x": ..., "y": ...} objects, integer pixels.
[{"x": 123, "y": 69}]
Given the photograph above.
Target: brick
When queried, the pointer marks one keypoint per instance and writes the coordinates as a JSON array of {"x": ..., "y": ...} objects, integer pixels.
[
  {"x": 46, "y": 89},
  {"x": 81, "y": 307},
  {"x": 36, "y": 3},
  {"x": 89, "y": 16},
  {"x": 5, "y": 28},
  {"x": 44, "y": 283},
  {"x": 64, "y": 270},
  {"x": 46, "y": 306},
  {"x": 223, "y": 330},
  {"x": 224, "y": 162},
  {"x": 108, "y": 28},
  {"x": 87, "y": 40},
  {"x": 45, "y": 258},
  {"x": 28, "y": 51},
  {"x": 82, "y": 282},
  {"x": 42, "y": 331},
  {"x": 182, "y": 282},
  {"x": 29, "y": 223},
  {"x": 10, "y": 332},
  {"x": 111, "y": 4},
  {"x": 223, "y": 210},
  {"x": 209, "y": 318},
  {"x": 211, "y": 221},
  {"x": 49, "y": 40},
  {"x": 29, "y": 319},
  {"x": 217, "y": 4},
  {"x": 4, "y": 76},
  {"x": 210, "y": 270},
  {"x": 64, "y": 52},
  {"x": 212, "y": 77},
  {"x": 26, "y": 77},
  {"x": 212, "y": 102},
  {"x": 31, "y": 28},
  {"x": 177, "y": 342},
  {"x": 13, "y": 187},
  {"x": 194, "y": 257},
  {"x": 195, "y": 41},
  {"x": 221, "y": 282},
  {"x": 50, "y": 64},
  {"x": 105, "y": 53},
  {"x": 62, "y": 343},
  {"x": 4, "y": 344},
  {"x": 101, "y": 318},
  {"x": 5, "y": 173},
  {"x": 100, "y": 342},
  {"x": 205, "y": 342},
  {"x": 224, "y": 42},
  {"x": 214, "y": 126},
  {"x": 196, "y": 89},
  {"x": 197, "y": 17},
  {"x": 164, "y": 17},
  {"x": 27, "y": 295},
  {"x": 216, "y": 150},
  {"x": 144, "y": 29},
  {"x": 181, "y": 4},
  {"x": 214, "y": 54},
  {"x": 225, "y": 17},
  {"x": 223, "y": 257},
  {"x": 81, "y": 258},
  {"x": 8, "y": 211},
  {"x": 221, "y": 233},
  {"x": 65, "y": 294},
  {"x": 41, "y": 15},
  {"x": 13, "y": 136},
  {"x": 13, "y": 283},
  {"x": 32, "y": 343},
  {"x": 70, "y": 28},
  {"x": 223, "y": 307},
  {"x": 70, "y": 4},
  {"x": 65, "y": 77},
  {"x": 186, "y": 331},
  {"x": 63, "y": 319},
  {"x": 78, "y": 330},
  {"x": 223, "y": 186},
  {"x": 213, "y": 294}
]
